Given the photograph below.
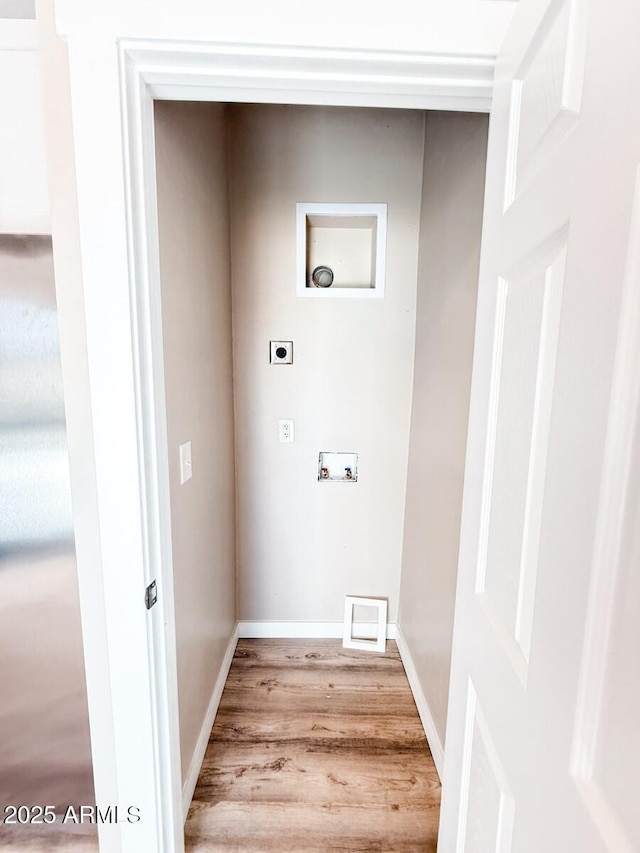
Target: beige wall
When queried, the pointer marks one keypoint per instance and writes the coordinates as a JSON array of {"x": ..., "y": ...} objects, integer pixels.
[
  {"x": 303, "y": 545},
  {"x": 450, "y": 228},
  {"x": 196, "y": 305}
]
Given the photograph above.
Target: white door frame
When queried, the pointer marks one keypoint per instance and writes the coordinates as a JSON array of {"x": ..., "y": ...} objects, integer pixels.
[{"x": 208, "y": 72}]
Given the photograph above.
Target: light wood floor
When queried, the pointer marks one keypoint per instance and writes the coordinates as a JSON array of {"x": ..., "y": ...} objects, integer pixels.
[{"x": 315, "y": 748}]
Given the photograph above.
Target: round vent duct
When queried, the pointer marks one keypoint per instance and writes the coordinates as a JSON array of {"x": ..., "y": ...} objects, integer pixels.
[{"x": 322, "y": 276}]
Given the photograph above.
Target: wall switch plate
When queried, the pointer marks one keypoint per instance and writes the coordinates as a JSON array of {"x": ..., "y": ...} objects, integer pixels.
[
  {"x": 286, "y": 431},
  {"x": 186, "y": 471},
  {"x": 281, "y": 352}
]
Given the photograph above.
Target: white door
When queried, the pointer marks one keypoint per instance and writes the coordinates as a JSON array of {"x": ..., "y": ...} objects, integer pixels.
[{"x": 543, "y": 737}]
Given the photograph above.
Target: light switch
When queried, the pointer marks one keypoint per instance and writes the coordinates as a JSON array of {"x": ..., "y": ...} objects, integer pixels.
[{"x": 186, "y": 471}]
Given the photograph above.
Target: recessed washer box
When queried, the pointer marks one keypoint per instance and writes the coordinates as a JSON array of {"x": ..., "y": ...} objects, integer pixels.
[
  {"x": 341, "y": 467},
  {"x": 349, "y": 239}
]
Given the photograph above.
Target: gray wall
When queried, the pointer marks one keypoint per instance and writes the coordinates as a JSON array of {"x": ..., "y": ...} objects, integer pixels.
[
  {"x": 196, "y": 305},
  {"x": 450, "y": 229}
]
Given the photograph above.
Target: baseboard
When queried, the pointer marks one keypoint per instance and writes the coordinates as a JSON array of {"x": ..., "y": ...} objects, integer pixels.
[
  {"x": 302, "y": 630},
  {"x": 203, "y": 739},
  {"x": 435, "y": 744}
]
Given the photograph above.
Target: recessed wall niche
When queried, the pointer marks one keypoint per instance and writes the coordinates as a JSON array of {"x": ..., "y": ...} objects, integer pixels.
[{"x": 345, "y": 245}]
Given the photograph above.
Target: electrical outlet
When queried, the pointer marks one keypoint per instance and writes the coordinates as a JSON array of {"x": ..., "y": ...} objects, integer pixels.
[
  {"x": 281, "y": 352},
  {"x": 285, "y": 431}
]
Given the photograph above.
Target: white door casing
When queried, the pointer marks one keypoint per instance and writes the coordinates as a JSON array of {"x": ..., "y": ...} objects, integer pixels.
[
  {"x": 113, "y": 84},
  {"x": 542, "y": 741}
]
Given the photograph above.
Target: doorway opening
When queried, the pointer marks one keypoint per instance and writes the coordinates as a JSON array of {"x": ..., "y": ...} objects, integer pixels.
[{"x": 259, "y": 545}]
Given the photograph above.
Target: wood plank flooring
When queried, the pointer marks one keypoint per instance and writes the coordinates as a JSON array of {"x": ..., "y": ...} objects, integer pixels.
[{"x": 315, "y": 748}]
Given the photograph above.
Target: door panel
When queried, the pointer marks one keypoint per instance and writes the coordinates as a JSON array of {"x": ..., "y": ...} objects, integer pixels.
[
  {"x": 606, "y": 748},
  {"x": 527, "y": 325},
  {"x": 546, "y": 91},
  {"x": 541, "y": 742},
  {"x": 489, "y": 811}
]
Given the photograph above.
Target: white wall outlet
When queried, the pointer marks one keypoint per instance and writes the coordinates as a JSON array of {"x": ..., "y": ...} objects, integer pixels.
[
  {"x": 186, "y": 471},
  {"x": 286, "y": 431},
  {"x": 281, "y": 352}
]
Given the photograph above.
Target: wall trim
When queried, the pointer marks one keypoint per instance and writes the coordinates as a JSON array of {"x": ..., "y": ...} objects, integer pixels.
[
  {"x": 191, "y": 780},
  {"x": 196, "y": 71},
  {"x": 301, "y": 630},
  {"x": 435, "y": 744},
  {"x": 152, "y": 457}
]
